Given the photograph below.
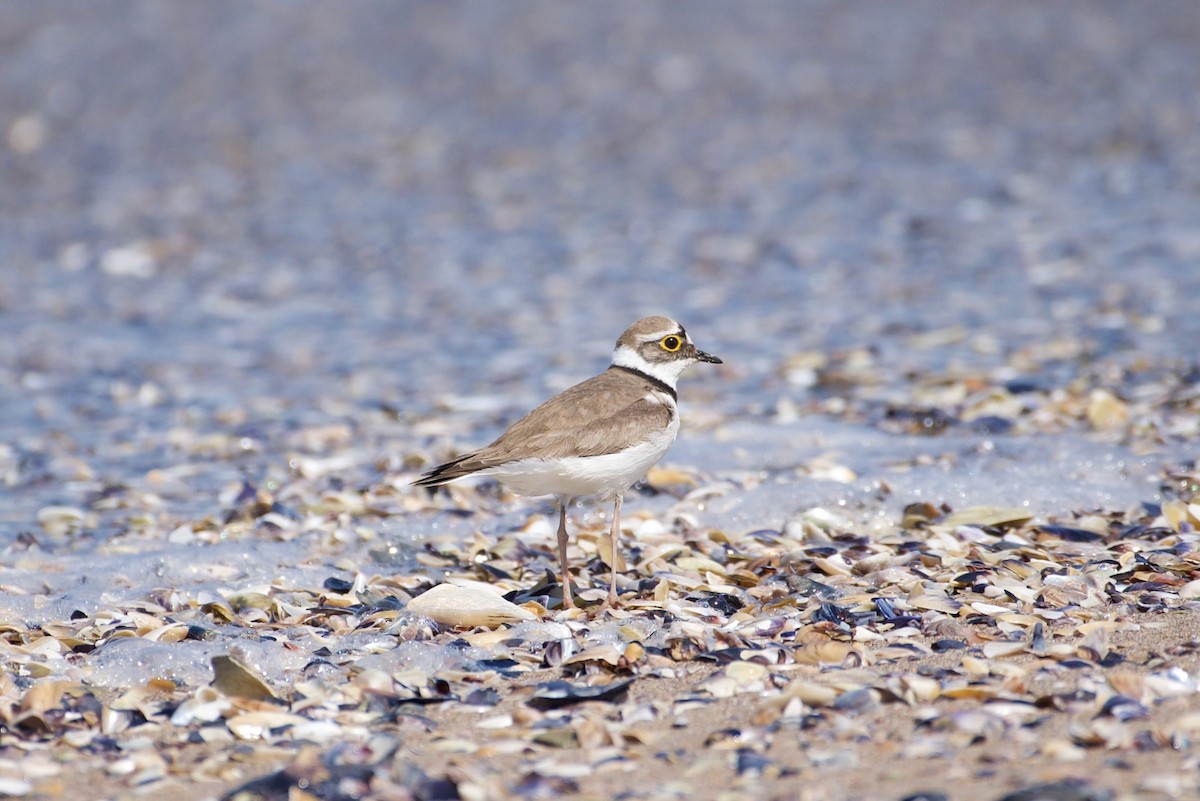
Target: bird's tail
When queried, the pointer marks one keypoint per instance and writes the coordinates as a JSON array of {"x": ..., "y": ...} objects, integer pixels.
[{"x": 444, "y": 473}]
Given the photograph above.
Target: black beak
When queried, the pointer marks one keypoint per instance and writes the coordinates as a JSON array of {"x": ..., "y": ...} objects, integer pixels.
[{"x": 707, "y": 357}]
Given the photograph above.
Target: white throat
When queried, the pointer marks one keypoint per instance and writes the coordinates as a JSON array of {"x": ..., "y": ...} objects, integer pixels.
[{"x": 666, "y": 372}]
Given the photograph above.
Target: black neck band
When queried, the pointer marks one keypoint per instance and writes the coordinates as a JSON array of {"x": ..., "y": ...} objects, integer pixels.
[{"x": 658, "y": 383}]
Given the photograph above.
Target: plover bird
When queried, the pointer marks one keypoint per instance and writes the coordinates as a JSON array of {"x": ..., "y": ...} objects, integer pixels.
[{"x": 596, "y": 438}]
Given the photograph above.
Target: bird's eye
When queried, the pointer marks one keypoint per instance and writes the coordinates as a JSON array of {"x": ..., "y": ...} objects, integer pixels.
[{"x": 671, "y": 343}]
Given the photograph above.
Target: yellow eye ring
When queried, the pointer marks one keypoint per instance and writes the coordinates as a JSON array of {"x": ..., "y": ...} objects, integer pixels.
[{"x": 671, "y": 343}]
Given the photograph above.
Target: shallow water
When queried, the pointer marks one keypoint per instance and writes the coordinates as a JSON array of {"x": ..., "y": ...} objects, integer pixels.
[{"x": 238, "y": 239}]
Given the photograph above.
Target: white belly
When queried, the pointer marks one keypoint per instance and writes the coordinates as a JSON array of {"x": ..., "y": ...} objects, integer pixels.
[{"x": 585, "y": 475}]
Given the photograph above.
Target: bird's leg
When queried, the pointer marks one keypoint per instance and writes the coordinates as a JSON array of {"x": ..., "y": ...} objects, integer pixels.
[
  {"x": 615, "y": 536},
  {"x": 568, "y": 601}
]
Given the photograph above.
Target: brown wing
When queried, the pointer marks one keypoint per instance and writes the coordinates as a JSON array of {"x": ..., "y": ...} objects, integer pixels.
[
  {"x": 582, "y": 405},
  {"x": 577, "y": 422},
  {"x": 596, "y": 437}
]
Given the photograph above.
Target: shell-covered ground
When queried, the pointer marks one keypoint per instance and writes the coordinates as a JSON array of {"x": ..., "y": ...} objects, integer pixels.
[
  {"x": 963, "y": 651},
  {"x": 931, "y": 531}
]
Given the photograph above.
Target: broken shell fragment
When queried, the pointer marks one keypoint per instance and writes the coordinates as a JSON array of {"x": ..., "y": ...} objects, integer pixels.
[{"x": 563, "y": 693}]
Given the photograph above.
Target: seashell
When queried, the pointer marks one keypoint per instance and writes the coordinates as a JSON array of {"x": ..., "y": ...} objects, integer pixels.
[
  {"x": 746, "y": 674},
  {"x": 1063, "y": 751},
  {"x": 1086, "y": 734},
  {"x": 496, "y": 722},
  {"x": 236, "y": 680},
  {"x": 170, "y": 633},
  {"x": 997, "y": 649},
  {"x": 562, "y": 693},
  {"x": 997, "y": 516},
  {"x": 936, "y": 603},
  {"x": 60, "y": 521},
  {"x": 719, "y": 686},
  {"x": 1105, "y": 411},
  {"x": 14, "y": 788},
  {"x": 148, "y": 767},
  {"x": 830, "y": 652},
  {"x": 763, "y": 627},
  {"x": 1037, "y": 640},
  {"x": 467, "y": 607},
  {"x": 980, "y": 725},
  {"x": 715, "y": 490},
  {"x": 114, "y": 721},
  {"x": 632, "y": 714},
  {"x": 1169, "y": 683},
  {"x": 664, "y": 478},
  {"x": 700, "y": 564},
  {"x": 824, "y": 519},
  {"x": 732, "y": 738},
  {"x": 220, "y": 610},
  {"x": 811, "y": 693},
  {"x": 42, "y": 696},
  {"x": 807, "y": 587},
  {"x": 971, "y": 692},
  {"x": 751, "y": 763},
  {"x": 861, "y": 699},
  {"x": 990, "y": 610},
  {"x": 948, "y": 644},
  {"x": 833, "y": 566},
  {"x": 538, "y": 785},
  {"x": 1063, "y": 594},
  {"x": 1178, "y": 514},
  {"x": 321, "y": 731},
  {"x": 919, "y": 689},
  {"x": 1069, "y": 534},
  {"x": 609, "y": 654},
  {"x": 573, "y": 769},
  {"x": 205, "y": 706},
  {"x": 921, "y": 748},
  {"x": 1108, "y": 733},
  {"x": 919, "y": 514},
  {"x": 482, "y": 698},
  {"x": 76, "y": 738},
  {"x": 638, "y": 630},
  {"x": 1094, "y": 646},
  {"x": 1132, "y": 685},
  {"x": 604, "y": 550},
  {"x": 559, "y": 650},
  {"x": 1123, "y": 708},
  {"x": 1019, "y": 570},
  {"x": 261, "y": 725},
  {"x": 840, "y": 473}
]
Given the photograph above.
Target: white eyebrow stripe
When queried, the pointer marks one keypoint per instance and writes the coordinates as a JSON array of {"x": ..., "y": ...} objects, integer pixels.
[{"x": 665, "y": 333}]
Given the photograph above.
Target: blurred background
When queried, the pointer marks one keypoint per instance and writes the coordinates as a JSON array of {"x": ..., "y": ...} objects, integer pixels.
[{"x": 243, "y": 220}]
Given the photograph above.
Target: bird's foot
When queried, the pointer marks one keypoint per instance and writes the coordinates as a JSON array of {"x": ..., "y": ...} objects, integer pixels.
[{"x": 611, "y": 602}]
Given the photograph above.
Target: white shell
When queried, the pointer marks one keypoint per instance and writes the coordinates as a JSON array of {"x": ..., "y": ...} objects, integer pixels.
[
  {"x": 467, "y": 607},
  {"x": 261, "y": 725}
]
